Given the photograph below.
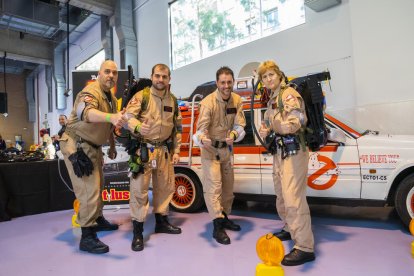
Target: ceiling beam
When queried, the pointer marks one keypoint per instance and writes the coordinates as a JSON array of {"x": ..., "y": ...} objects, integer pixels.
[
  {"x": 101, "y": 7},
  {"x": 29, "y": 48}
]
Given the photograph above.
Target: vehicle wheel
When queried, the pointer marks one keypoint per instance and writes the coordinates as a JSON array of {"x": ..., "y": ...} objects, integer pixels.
[
  {"x": 188, "y": 195},
  {"x": 404, "y": 199}
]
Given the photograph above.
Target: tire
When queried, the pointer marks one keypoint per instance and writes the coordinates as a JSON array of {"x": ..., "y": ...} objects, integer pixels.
[
  {"x": 404, "y": 199},
  {"x": 188, "y": 195}
]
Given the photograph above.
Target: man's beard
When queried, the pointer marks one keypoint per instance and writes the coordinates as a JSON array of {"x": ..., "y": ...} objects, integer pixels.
[{"x": 159, "y": 86}]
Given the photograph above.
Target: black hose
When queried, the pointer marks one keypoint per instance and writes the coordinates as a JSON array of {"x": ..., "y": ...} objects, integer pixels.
[{"x": 254, "y": 86}]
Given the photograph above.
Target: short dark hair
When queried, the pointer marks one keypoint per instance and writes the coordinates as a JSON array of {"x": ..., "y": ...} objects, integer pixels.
[
  {"x": 63, "y": 115},
  {"x": 224, "y": 70},
  {"x": 162, "y": 67}
]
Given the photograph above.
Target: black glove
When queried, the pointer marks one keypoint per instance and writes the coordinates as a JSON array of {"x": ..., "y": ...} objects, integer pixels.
[{"x": 81, "y": 163}]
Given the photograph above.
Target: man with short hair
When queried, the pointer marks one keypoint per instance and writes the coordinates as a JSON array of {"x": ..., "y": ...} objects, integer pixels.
[
  {"x": 220, "y": 123},
  {"x": 90, "y": 125},
  {"x": 155, "y": 123}
]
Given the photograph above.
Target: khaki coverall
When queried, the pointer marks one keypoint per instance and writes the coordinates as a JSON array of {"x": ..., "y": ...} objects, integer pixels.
[
  {"x": 88, "y": 189},
  {"x": 290, "y": 174},
  {"x": 160, "y": 114},
  {"x": 217, "y": 117}
]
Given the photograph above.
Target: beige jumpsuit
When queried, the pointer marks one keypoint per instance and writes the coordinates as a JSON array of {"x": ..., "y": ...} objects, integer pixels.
[
  {"x": 290, "y": 174},
  {"x": 160, "y": 115},
  {"x": 216, "y": 118},
  {"x": 88, "y": 189}
]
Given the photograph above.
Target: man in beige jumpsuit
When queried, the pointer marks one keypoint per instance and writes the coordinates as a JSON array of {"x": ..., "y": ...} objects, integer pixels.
[
  {"x": 160, "y": 130},
  {"x": 221, "y": 122},
  {"x": 90, "y": 125},
  {"x": 289, "y": 173}
]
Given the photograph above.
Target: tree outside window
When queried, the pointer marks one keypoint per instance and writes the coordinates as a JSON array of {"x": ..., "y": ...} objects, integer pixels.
[{"x": 202, "y": 28}]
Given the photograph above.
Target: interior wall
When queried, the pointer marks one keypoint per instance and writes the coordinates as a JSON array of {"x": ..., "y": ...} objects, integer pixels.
[
  {"x": 352, "y": 40},
  {"x": 17, "y": 121},
  {"x": 80, "y": 50},
  {"x": 151, "y": 27},
  {"x": 322, "y": 43},
  {"x": 383, "y": 46}
]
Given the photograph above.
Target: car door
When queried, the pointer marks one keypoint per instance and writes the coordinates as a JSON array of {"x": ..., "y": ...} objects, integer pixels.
[
  {"x": 247, "y": 162},
  {"x": 266, "y": 160},
  {"x": 334, "y": 171}
]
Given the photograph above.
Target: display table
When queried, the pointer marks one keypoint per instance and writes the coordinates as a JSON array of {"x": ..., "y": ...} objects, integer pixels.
[{"x": 28, "y": 188}]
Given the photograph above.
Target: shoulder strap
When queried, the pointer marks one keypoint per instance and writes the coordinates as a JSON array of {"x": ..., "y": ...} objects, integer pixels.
[
  {"x": 174, "y": 98},
  {"x": 145, "y": 98},
  {"x": 280, "y": 100},
  {"x": 175, "y": 105}
]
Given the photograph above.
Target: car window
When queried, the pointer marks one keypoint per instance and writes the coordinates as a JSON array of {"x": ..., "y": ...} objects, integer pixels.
[{"x": 249, "y": 138}]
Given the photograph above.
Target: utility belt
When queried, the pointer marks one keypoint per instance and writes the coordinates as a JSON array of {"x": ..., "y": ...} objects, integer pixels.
[
  {"x": 154, "y": 144},
  {"x": 139, "y": 152},
  {"x": 80, "y": 140},
  {"x": 218, "y": 144},
  {"x": 289, "y": 145}
]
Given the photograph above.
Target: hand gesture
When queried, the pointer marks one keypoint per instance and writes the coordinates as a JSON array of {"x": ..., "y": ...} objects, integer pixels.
[
  {"x": 118, "y": 119},
  {"x": 229, "y": 139},
  {"x": 175, "y": 158},
  {"x": 145, "y": 127},
  {"x": 205, "y": 141}
]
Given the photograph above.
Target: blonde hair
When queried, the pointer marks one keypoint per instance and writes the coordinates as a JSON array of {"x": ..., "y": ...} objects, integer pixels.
[{"x": 269, "y": 65}]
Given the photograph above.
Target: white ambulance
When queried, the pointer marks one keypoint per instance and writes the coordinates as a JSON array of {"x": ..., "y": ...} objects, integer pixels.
[{"x": 363, "y": 169}]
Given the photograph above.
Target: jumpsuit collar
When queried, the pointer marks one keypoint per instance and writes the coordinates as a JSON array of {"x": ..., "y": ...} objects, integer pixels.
[
  {"x": 105, "y": 94},
  {"x": 220, "y": 98},
  {"x": 155, "y": 94}
]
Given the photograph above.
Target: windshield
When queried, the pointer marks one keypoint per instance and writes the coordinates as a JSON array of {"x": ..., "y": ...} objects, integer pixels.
[{"x": 348, "y": 122}]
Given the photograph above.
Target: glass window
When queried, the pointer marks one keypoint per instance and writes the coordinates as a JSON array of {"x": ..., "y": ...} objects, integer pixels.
[
  {"x": 202, "y": 28},
  {"x": 93, "y": 63},
  {"x": 249, "y": 138}
]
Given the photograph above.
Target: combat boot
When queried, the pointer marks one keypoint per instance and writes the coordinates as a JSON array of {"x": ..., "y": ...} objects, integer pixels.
[
  {"x": 138, "y": 239},
  {"x": 163, "y": 226},
  {"x": 229, "y": 224},
  {"x": 104, "y": 225},
  {"x": 218, "y": 233},
  {"x": 90, "y": 243}
]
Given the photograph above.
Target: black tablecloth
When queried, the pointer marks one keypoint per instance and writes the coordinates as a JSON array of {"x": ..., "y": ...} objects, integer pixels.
[{"x": 28, "y": 188}]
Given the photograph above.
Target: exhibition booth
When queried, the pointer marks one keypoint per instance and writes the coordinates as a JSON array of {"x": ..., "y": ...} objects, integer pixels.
[{"x": 28, "y": 188}]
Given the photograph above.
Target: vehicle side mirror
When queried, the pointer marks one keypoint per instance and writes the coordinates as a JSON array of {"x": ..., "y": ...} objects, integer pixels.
[{"x": 336, "y": 135}]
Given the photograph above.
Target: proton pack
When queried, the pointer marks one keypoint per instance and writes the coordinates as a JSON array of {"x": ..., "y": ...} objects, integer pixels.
[{"x": 309, "y": 87}]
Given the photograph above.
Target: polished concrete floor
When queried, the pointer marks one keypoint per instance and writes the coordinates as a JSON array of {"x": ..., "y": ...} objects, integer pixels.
[{"x": 349, "y": 241}]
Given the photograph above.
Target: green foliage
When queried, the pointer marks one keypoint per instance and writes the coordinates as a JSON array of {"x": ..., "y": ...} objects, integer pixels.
[{"x": 215, "y": 28}]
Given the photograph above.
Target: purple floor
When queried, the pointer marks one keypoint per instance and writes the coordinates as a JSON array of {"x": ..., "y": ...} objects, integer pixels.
[{"x": 349, "y": 241}]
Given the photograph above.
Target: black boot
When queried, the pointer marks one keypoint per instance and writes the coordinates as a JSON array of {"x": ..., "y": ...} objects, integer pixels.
[
  {"x": 104, "y": 225},
  {"x": 138, "y": 239},
  {"x": 163, "y": 226},
  {"x": 218, "y": 233},
  {"x": 90, "y": 242},
  {"x": 298, "y": 257},
  {"x": 229, "y": 224}
]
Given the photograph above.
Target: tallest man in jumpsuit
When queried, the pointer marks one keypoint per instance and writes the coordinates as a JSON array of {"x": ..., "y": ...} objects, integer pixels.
[{"x": 91, "y": 124}]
